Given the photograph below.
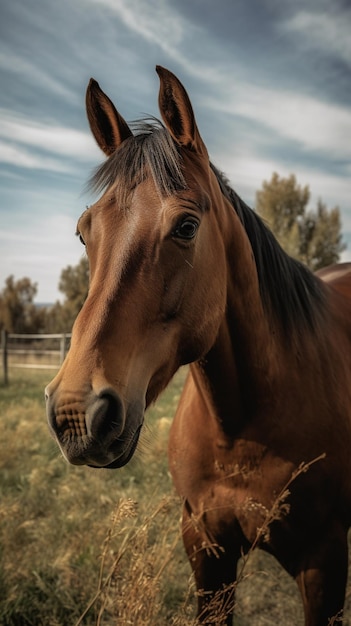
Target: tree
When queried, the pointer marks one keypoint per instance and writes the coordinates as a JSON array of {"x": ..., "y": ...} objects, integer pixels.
[
  {"x": 74, "y": 284},
  {"x": 18, "y": 313},
  {"x": 321, "y": 243},
  {"x": 312, "y": 236}
]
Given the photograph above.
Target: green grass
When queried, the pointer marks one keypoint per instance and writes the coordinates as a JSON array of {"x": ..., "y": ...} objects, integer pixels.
[{"x": 96, "y": 547}]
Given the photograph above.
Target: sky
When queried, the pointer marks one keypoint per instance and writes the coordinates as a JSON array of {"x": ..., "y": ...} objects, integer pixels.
[{"x": 269, "y": 81}]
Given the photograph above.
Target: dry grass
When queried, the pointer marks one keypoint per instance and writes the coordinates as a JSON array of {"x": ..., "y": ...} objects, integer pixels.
[
  {"x": 55, "y": 520},
  {"x": 131, "y": 587},
  {"x": 81, "y": 547}
]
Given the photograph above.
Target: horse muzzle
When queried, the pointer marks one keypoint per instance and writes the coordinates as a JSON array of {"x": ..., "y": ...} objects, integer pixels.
[{"x": 94, "y": 429}]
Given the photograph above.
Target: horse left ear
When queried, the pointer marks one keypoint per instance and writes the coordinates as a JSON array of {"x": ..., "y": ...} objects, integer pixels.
[
  {"x": 177, "y": 112},
  {"x": 107, "y": 125}
]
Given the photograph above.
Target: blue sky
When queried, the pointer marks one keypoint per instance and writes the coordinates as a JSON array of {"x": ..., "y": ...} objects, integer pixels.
[{"x": 269, "y": 81}]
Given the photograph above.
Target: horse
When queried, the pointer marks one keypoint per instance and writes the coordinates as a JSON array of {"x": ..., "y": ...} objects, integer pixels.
[{"x": 182, "y": 271}]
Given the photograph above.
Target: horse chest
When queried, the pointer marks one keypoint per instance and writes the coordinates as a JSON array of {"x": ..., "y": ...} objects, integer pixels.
[{"x": 228, "y": 487}]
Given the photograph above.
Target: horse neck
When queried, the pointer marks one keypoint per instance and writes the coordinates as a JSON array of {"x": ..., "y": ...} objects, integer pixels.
[{"x": 238, "y": 371}]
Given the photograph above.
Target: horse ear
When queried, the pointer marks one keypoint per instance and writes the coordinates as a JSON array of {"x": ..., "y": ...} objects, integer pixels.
[
  {"x": 177, "y": 112},
  {"x": 107, "y": 125}
]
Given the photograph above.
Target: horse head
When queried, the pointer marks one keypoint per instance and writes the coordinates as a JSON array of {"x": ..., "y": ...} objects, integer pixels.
[{"x": 157, "y": 290}]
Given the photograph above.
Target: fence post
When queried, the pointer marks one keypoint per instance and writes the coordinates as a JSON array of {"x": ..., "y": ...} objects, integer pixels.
[
  {"x": 4, "y": 356},
  {"x": 62, "y": 347}
]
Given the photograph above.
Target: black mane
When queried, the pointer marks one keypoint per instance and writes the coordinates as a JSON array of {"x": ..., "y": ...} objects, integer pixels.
[{"x": 288, "y": 289}]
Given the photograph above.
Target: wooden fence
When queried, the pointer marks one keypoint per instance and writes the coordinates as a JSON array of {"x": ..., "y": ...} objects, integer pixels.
[{"x": 42, "y": 351}]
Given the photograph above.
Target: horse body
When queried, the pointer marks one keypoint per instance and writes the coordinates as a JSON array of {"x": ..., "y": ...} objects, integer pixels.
[
  {"x": 181, "y": 271},
  {"x": 234, "y": 448}
]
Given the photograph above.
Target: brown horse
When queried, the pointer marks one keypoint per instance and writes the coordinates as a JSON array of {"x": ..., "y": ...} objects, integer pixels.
[{"x": 182, "y": 271}]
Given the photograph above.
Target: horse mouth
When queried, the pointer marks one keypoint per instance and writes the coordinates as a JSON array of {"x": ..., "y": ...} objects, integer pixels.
[
  {"x": 124, "y": 457},
  {"x": 88, "y": 451}
]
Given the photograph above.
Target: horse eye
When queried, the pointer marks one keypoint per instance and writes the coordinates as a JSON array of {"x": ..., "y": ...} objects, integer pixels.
[
  {"x": 80, "y": 238},
  {"x": 186, "y": 229}
]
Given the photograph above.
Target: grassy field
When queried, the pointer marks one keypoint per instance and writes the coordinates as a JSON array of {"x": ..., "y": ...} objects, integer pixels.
[{"x": 96, "y": 547}]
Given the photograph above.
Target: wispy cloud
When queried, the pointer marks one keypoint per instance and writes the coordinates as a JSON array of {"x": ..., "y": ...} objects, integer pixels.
[
  {"x": 248, "y": 171},
  {"x": 315, "y": 125},
  {"x": 151, "y": 20},
  {"x": 22, "y": 68},
  {"x": 26, "y": 143},
  {"x": 159, "y": 23},
  {"x": 19, "y": 156},
  {"x": 327, "y": 32}
]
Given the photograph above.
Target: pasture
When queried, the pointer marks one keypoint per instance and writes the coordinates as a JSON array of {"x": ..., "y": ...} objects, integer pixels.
[{"x": 103, "y": 547}]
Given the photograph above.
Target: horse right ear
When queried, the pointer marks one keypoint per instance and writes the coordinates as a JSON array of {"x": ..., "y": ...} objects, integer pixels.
[
  {"x": 177, "y": 112},
  {"x": 107, "y": 125}
]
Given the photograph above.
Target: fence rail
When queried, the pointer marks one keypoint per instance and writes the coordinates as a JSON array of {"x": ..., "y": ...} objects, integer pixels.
[{"x": 32, "y": 351}]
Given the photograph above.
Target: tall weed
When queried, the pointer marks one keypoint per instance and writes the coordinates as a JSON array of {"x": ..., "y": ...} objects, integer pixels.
[{"x": 84, "y": 547}]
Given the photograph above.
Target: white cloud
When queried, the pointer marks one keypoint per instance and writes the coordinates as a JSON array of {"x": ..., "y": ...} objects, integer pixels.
[
  {"x": 23, "y": 67},
  {"x": 247, "y": 172},
  {"x": 159, "y": 23},
  {"x": 58, "y": 140},
  {"x": 29, "y": 144},
  {"x": 316, "y": 125},
  {"x": 20, "y": 157},
  {"x": 151, "y": 20},
  {"x": 328, "y": 32}
]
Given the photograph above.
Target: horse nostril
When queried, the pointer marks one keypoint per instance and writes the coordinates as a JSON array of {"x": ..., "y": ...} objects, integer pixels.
[{"x": 105, "y": 416}]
